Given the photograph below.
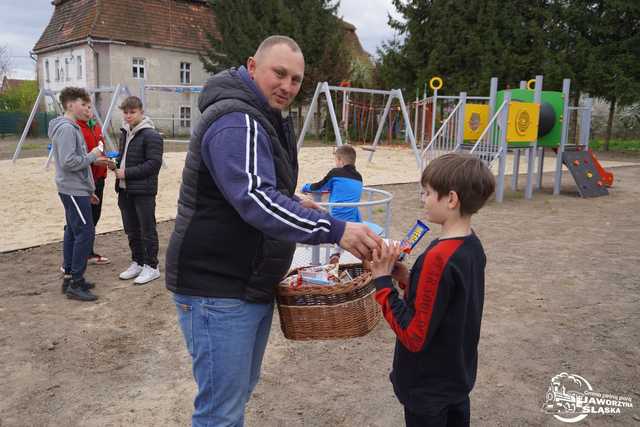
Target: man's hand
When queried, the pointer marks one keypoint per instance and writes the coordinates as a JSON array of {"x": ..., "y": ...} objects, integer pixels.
[
  {"x": 95, "y": 199},
  {"x": 384, "y": 260},
  {"x": 308, "y": 202},
  {"x": 119, "y": 173},
  {"x": 360, "y": 240}
]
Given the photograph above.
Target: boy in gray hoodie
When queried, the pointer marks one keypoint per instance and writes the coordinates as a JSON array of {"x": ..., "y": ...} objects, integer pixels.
[{"x": 76, "y": 189}]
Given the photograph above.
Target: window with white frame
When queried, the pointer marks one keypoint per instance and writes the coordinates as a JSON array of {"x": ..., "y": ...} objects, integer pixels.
[
  {"x": 47, "y": 74},
  {"x": 79, "y": 67},
  {"x": 185, "y": 73},
  {"x": 56, "y": 65},
  {"x": 66, "y": 69},
  {"x": 185, "y": 116},
  {"x": 138, "y": 68}
]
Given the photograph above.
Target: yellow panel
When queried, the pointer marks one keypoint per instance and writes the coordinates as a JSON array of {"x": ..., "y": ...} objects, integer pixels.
[
  {"x": 522, "y": 123},
  {"x": 476, "y": 117}
]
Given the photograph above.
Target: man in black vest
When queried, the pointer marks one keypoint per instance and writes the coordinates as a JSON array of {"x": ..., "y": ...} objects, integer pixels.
[{"x": 237, "y": 223}]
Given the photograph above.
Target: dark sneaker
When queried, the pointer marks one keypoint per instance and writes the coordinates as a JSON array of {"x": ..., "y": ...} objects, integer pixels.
[
  {"x": 65, "y": 283},
  {"x": 77, "y": 290},
  {"x": 88, "y": 285}
]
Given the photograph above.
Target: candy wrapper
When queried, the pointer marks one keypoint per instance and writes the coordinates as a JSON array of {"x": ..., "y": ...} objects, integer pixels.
[
  {"x": 112, "y": 154},
  {"x": 417, "y": 232},
  {"x": 325, "y": 275}
]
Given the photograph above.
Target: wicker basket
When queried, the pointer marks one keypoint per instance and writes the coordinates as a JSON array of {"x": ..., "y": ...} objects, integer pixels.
[{"x": 313, "y": 312}]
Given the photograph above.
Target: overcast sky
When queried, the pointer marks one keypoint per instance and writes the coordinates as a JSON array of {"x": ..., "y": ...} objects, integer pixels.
[{"x": 22, "y": 22}]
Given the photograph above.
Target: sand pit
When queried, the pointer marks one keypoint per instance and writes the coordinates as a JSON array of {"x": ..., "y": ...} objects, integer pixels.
[{"x": 31, "y": 213}]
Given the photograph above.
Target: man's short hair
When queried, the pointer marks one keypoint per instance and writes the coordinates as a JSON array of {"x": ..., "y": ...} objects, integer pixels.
[
  {"x": 271, "y": 41},
  {"x": 465, "y": 174},
  {"x": 346, "y": 153},
  {"x": 70, "y": 94},
  {"x": 131, "y": 103}
]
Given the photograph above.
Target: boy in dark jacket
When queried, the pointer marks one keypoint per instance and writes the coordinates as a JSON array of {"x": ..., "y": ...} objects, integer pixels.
[
  {"x": 437, "y": 322},
  {"x": 137, "y": 170}
]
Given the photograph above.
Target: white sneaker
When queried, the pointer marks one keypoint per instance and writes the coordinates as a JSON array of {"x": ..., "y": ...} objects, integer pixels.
[
  {"x": 148, "y": 274},
  {"x": 131, "y": 272}
]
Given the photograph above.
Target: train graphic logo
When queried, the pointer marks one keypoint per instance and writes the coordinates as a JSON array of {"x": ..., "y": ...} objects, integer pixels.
[{"x": 565, "y": 397}]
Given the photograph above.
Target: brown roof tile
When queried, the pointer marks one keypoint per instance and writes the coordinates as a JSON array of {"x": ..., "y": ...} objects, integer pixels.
[{"x": 180, "y": 24}]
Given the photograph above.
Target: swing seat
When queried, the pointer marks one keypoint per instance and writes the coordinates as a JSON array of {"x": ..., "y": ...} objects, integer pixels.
[{"x": 369, "y": 149}]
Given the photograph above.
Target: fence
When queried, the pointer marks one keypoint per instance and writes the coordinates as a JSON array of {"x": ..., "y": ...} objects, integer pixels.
[{"x": 13, "y": 122}]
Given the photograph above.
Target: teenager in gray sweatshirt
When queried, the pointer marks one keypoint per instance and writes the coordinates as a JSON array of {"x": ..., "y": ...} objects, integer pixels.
[{"x": 76, "y": 189}]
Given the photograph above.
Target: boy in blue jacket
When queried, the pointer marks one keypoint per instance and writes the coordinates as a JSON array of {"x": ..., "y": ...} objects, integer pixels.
[
  {"x": 344, "y": 183},
  {"x": 437, "y": 322}
]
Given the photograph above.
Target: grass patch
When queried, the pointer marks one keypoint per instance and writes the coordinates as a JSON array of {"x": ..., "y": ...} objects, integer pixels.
[{"x": 616, "y": 145}]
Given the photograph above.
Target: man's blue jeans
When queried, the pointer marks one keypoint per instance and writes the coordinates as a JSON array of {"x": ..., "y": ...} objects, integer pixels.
[{"x": 226, "y": 339}]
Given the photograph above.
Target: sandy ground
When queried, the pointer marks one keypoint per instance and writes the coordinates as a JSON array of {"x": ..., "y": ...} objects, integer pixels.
[
  {"x": 32, "y": 214},
  {"x": 561, "y": 295}
]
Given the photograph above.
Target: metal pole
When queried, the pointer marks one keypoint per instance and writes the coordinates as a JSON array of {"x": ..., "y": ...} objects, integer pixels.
[
  {"x": 502, "y": 160},
  {"x": 516, "y": 169},
  {"x": 307, "y": 120},
  {"x": 415, "y": 121},
  {"x": 585, "y": 126},
  {"x": 540, "y": 167},
  {"x": 381, "y": 124},
  {"x": 460, "y": 122},
  {"x": 531, "y": 154},
  {"x": 28, "y": 125},
  {"x": 332, "y": 114},
  {"x": 493, "y": 93},
  {"x": 346, "y": 117},
  {"x": 564, "y": 134},
  {"x": 412, "y": 137},
  {"x": 114, "y": 99},
  {"x": 433, "y": 114}
]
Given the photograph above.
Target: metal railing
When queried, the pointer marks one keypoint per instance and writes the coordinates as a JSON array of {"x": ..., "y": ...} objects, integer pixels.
[
  {"x": 368, "y": 201},
  {"x": 447, "y": 137},
  {"x": 489, "y": 144}
]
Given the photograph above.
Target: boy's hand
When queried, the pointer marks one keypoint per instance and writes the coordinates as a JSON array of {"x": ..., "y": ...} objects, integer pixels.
[
  {"x": 119, "y": 173},
  {"x": 401, "y": 273},
  {"x": 95, "y": 199},
  {"x": 102, "y": 161},
  {"x": 96, "y": 150},
  {"x": 384, "y": 259},
  {"x": 360, "y": 240}
]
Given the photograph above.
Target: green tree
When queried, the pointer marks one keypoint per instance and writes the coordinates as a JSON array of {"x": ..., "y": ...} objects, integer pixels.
[
  {"x": 19, "y": 98},
  {"x": 242, "y": 24},
  {"x": 614, "y": 39}
]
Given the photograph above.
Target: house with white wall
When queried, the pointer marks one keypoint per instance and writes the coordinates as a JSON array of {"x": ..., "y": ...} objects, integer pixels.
[{"x": 100, "y": 44}]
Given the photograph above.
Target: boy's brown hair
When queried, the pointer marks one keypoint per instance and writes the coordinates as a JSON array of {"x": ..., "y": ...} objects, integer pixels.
[
  {"x": 465, "y": 174},
  {"x": 131, "y": 103},
  {"x": 346, "y": 153},
  {"x": 70, "y": 94}
]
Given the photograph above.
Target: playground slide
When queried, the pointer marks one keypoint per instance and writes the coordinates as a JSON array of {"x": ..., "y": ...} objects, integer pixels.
[
  {"x": 586, "y": 173},
  {"x": 607, "y": 177}
]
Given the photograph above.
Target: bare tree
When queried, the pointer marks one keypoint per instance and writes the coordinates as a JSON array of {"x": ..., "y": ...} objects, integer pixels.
[{"x": 5, "y": 61}]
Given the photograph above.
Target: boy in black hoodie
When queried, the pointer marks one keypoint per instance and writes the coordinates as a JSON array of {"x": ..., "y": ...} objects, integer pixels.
[
  {"x": 437, "y": 322},
  {"x": 136, "y": 170}
]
